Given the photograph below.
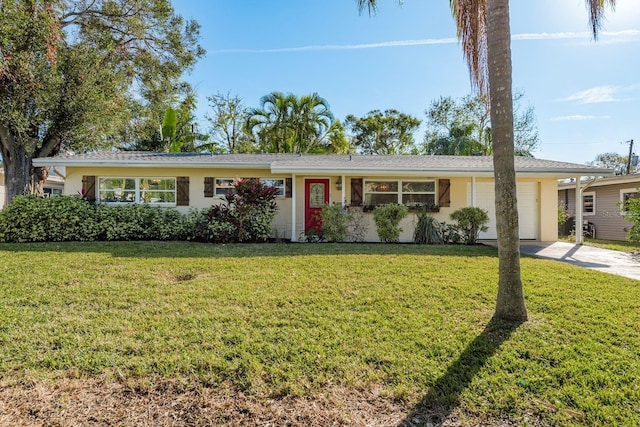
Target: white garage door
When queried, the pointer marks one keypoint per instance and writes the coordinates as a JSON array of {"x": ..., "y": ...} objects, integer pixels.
[{"x": 527, "y": 208}]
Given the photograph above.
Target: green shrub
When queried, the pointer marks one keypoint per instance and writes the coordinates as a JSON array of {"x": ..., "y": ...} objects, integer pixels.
[
  {"x": 428, "y": 229},
  {"x": 387, "y": 219},
  {"x": 142, "y": 222},
  {"x": 356, "y": 224},
  {"x": 56, "y": 219},
  {"x": 632, "y": 210},
  {"x": 335, "y": 223},
  {"x": 471, "y": 221},
  {"x": 246, "y": 215},
  {"x": 563, "y": 215},
  {"x": 67, "y": 218},
  {"x": 450, "y": 233}
]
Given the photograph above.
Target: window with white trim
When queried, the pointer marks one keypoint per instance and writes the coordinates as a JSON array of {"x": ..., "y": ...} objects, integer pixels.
[
  {"x": 405, "y": 192},
  {"x": 279, "y": 183},
  {"x": 153, "y": 191},
  {"x": 225, "y": 185},
  {"x": 625, "y": 195},
  {"x": 589, "y": 203}
]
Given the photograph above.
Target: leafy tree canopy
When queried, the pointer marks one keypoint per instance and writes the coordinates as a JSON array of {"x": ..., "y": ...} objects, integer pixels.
[
  {"x": 463, "y": 127},
  {"x": 614, "y": 161},
  {"x": 383, "y": 132},
  {"x": 227, "y": 119},
  {"x": 286, "y": 123},
  {"x": 72, "y": 70}
]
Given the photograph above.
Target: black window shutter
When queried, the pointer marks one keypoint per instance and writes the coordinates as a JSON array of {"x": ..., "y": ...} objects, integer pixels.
[
  {"x": 182, "y": 191},
  {"x": 288, "y": 188},
  {"x": 208, "y": 186},
  {"x": 444, "y": 193},
  {"x": 356, "y": 191}
]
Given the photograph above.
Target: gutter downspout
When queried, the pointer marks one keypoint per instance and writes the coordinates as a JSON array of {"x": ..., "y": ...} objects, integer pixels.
[{"x": 473, "y": 191}]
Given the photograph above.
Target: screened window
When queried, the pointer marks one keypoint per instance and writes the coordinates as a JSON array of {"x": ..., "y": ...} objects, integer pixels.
[
  {"x": 410, "y": 193},
  {"x": 279, "y": 183},
  {"x": 225, "y": 185},
  {"x": 154, "y": 191},
  {"x": 381, "y": 192},
  {"x": 589, "y": 203},
  {"x": 418, "y": 193},
  {"x": 628, "y": 194}
]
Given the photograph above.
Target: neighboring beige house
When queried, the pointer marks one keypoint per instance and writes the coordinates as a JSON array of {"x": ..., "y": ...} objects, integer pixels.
[
  {"x": 54, "y": 185},
  {"x": 307, "y": 182},
  {"x": 602, "y": 200}
]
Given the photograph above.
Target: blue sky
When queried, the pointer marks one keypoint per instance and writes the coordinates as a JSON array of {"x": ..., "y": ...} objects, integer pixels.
[{"x": 586, "y": 95}]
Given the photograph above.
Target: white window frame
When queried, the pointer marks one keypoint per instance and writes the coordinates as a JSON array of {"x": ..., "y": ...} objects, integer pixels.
[
  {"x": 622, "y": 193},
  {"x": 584, "y": 211},
  {"x": 281, "y": 188},
  {"x": 138, "y": 191},
  {"x": 400, "y": 193},
  {"x": 226, "y": 188}
]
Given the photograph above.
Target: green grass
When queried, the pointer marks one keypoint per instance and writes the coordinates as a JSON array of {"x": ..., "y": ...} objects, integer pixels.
[{"x": 292, "y": 319}]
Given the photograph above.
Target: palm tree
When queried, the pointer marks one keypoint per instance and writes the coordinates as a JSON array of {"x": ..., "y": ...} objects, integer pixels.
[
  {"x": 485, "y": 35},
  {"x": 285, "y": 123}
]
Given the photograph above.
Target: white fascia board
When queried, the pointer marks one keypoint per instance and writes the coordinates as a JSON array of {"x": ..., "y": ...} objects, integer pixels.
[
  {"x": 145, "y": 164},
  {"x": 377, "y": 171},
  {"x": 604, "y": 181},
  {"x": 561, "y": 174},
  {"x": 482, "y": 173}
]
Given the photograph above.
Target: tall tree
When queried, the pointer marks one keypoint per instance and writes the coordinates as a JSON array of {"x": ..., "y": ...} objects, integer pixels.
[
  {"x": 388, "y": 132},
  {"x": 285, "y": 123},
  {"x": 614, "y": 161},
  {"x": 146, "y": 130},
  {"x": 337, "y": 142},
  {"x": 68, "y": 70},
  {"x": 484, "y": 31},
  {"x": 227, "y": 119},
  {"x": 462, "y": 127}
]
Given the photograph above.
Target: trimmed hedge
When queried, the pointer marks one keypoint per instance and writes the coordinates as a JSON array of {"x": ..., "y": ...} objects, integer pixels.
[
  {"x": 66, "y": 218},
  {"x": 245, "y": 217}
]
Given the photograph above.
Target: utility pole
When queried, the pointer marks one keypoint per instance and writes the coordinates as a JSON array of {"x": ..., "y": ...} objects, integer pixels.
[{"x": 629, "y": 158}]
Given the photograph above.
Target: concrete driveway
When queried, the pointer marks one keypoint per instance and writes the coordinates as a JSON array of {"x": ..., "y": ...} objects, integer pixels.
[{"x": 614, "y": 262}]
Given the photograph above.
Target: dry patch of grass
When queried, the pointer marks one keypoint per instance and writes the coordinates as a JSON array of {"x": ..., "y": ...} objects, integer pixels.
[{"x": 103, "y": 402}]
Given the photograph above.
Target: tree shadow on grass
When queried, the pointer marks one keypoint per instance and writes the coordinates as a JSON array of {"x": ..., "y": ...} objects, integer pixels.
[{"x": 444, "y": 395}]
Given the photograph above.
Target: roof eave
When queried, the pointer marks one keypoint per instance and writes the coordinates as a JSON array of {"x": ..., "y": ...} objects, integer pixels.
[{"x": 45, "y": 161}]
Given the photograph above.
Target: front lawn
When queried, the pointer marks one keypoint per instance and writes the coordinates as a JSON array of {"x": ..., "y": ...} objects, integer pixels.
[{"x": 406, "y": 326}]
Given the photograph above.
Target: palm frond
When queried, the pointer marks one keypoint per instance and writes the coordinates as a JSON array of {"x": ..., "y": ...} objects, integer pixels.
[
  {"x": 596, "y": 13},
  {"x": 471, "y": 23},
  {"x": 370, "y": 5}
]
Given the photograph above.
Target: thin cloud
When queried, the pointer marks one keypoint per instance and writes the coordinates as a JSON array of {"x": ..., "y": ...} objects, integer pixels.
[
  {"x": 579, "y": 117},
  {"x": 603, "y": 36},
  {"x": 594, "y": 95},
  {"x": 608, "y": 36},
  {"x": 599, "y": 94},
  {"x": 396, "y": 43}
]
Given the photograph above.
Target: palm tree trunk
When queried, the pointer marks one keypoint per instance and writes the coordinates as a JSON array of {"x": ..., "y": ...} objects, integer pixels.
[{"x": 510, "y": 302}]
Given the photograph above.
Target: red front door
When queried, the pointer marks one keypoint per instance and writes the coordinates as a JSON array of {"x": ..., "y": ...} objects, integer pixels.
[{"x": 316, "y": 195}]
